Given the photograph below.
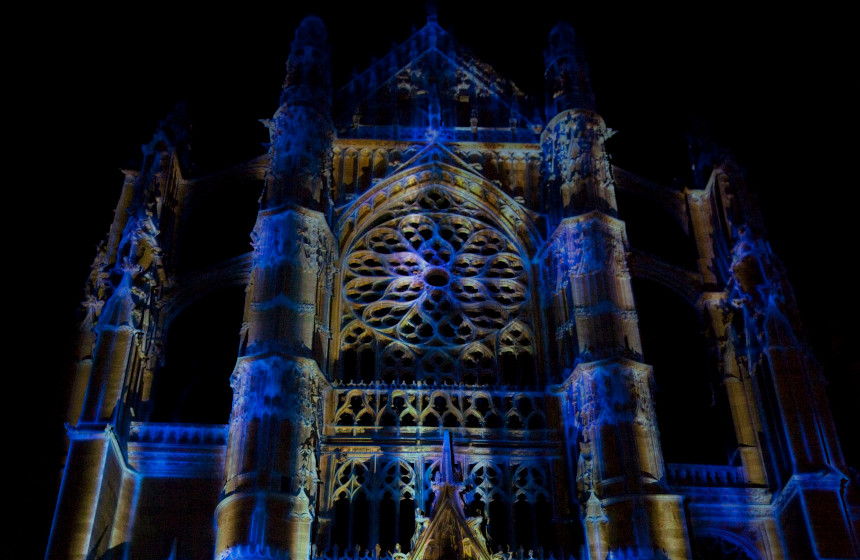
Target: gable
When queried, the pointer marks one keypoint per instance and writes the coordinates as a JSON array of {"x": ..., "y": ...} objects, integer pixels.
[{"x": 430, "y": 81}]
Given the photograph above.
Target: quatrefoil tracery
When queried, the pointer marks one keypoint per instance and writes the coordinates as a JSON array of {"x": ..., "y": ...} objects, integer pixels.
[{"x": 441, "y": 280}]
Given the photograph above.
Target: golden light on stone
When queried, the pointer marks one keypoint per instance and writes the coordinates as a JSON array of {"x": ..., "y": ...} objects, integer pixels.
[{"x": 440, "y": 351}]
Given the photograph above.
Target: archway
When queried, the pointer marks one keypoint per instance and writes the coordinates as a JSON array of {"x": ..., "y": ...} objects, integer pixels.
[
  {"x": 193, "y": 385},
  {"x": 691, "y": 404}
]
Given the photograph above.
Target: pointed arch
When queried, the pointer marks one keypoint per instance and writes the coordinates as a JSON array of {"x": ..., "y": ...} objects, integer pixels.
[{"x": 691, "y": 402}]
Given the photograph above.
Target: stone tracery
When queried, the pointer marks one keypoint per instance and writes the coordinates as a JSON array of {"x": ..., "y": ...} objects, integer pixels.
[{"x": 434, "y": 289}]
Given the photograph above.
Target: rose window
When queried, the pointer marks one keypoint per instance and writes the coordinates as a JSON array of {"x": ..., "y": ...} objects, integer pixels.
[{"x": 437, "y": 280}]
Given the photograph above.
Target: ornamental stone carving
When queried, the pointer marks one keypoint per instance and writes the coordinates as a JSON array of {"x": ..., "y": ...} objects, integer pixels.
[
  {"x": 584, "y": 246},
  {"x": 301, "y": 142},
  {"x": 575, "y": 161},
  {"x": 441, "y": 279},
  {"x": 277, "y": 386},
  {"x": 294, "y": 237}
]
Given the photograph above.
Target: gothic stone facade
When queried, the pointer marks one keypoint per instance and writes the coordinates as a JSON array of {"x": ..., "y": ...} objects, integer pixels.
[{"x": 432, "y": 268}]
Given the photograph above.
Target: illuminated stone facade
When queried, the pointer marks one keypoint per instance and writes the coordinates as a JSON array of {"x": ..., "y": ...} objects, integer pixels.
[{"x": 440, "y": 352}]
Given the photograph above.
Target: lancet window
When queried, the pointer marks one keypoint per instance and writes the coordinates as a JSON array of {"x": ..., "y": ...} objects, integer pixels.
[
  {"x": 376, "y": 500},
  {"x": 396, "y": 495},
  {"x": 351, "y": 503}
]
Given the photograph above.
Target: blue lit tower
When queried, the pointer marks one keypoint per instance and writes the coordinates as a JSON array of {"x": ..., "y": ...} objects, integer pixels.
[
  {"x": 270, "y": 492},
  {"x": 608, "y": 412},
  {"x": 798, "y": 453},
  {"x": 116, "y": 353}
]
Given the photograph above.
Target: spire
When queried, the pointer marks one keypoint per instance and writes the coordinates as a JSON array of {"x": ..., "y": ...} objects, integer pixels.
[
  {"x": 119, "y": 309},
  {"x": 445, "y": 485},
  {"x": 173, "y": 133},
  {"x": 301, "y": 130},
  {"x": 448, "y": 533},
  {"x": 446, "y": 466},
  {"x": 432, "y": 7},
  {"x": 568, "y": 82},
  {"x": 308, "y": 80}
]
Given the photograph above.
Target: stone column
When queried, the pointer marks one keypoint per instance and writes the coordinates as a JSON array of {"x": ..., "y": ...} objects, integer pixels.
[{"x": 620, "y": 470}]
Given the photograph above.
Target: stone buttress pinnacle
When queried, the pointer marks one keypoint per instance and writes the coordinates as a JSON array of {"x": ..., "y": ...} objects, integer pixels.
[
  {"x": 301, "y": 130},
  {"x": 577, "y": 171},
  {"x": 568, "y": 82}
]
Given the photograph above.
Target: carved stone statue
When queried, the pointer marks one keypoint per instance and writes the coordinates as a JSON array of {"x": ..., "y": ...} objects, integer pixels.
[
  {"x": 421, "y": 522},
  {"x": 475, "y": 523}
]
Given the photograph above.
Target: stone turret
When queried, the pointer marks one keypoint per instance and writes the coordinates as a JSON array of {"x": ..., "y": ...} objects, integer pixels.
[
  {"x": 608, "y": 403},
  {"x": 568, "y": 81},
  {"x": 301, "y": 130},
  {"x": 267, "y": 502}
]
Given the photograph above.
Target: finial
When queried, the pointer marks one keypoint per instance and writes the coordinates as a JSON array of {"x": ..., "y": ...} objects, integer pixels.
[
  {"x": 446, "y": 467},
  {"x": 432, "y": 11},
  {"x": 434, "y": 114},
  {"x": 568, "y": 81},
  {"x": 308, "y": 77}
]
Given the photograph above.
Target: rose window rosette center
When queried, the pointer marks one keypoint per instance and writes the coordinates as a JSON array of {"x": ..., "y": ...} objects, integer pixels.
[{"x": 435, "y": 280}]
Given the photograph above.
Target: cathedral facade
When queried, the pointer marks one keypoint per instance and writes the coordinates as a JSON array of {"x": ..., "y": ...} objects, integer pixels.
[{"x": 440, "y": 353}]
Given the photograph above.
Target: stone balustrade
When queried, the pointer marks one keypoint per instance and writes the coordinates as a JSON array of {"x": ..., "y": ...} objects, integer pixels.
[
  {"x": 181, "y": 434},
  {"x": 682, "y": 474}
]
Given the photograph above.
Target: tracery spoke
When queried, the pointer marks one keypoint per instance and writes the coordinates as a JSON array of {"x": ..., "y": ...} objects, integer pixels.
[
  {"x": 404, "y": 289},
  {"x": 415, "y": 328},
  {"x": 486, "y": 242},
  {"x": 468, "y": 265},
  {"x": 435, "y": 278},
  {"x": 436, "y": 251},
  {"x": 436, "y": 305},
  {"x": 469, "y": 291},
  {"x": 416, "y": 229},
  {"x": 385, "y": 315},
  {"x": 504, "y": 265},
  {"x": 457, "y": 329},
  {"x": 366, "y": 263},
  {"x": 455, "y": 230},
  {"x": 386, "y": 240},
  {"x": 486, "y": 316},
  {"x": 403, "y": 264},
  {"x": 363, "y": 290},
  {"x": 507, "y": 293}
]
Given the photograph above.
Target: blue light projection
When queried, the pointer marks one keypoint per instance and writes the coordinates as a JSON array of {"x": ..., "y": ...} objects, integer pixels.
[
  {"x": 438, "y": 283},
  {"x": 404, "y": 317}
]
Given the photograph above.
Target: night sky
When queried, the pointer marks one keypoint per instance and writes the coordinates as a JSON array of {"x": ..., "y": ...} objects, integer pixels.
[{"x": 772, "y": 88}]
